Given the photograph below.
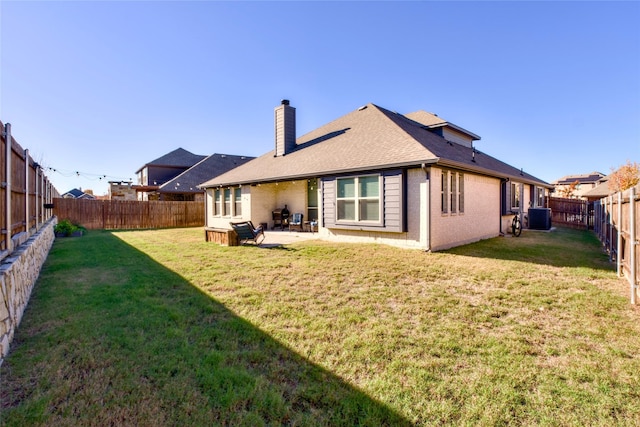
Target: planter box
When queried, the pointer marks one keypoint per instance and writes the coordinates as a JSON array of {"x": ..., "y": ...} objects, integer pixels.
[{"x": 221, "y": 236}]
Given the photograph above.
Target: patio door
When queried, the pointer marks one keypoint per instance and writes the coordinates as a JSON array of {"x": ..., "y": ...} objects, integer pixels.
[{"x": 312, "y": 199}]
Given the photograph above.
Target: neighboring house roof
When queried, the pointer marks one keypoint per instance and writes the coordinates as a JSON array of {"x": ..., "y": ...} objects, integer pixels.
[
  {"x": 177, "y": 158},
  {"x": 600, "y": 191},
  {"x": 77, "y": 194},
  {"x": 213, "y": 165},
  {"x": 369, "y": 138},
  {"x": 588, "y": 178}
]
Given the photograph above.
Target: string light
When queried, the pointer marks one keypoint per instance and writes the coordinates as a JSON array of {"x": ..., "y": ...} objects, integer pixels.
[{"x": 89, "y": 176}]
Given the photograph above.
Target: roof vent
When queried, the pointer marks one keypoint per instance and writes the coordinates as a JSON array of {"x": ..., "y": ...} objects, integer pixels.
[
  {"x": 284, "y": 102},
  {"x": 362, "y": 108}
]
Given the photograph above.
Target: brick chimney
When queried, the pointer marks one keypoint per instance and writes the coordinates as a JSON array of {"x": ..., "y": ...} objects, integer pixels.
[{"x": 285, "y": 126}]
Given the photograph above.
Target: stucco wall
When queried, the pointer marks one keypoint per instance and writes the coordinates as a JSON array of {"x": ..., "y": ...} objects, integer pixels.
[
  {"x": 353, "y": 236},
  {"x": 18, "y": 275},
  {"x": 417, "y": 207},
  {"x": 457, "y": 137},
  {"x": 262, "y": 203},
  {"x": 416, "y": 235},
  {"x": 259, "y": 201},
  {"x": 223, "y": 221},
  {"x": 481, "y": 216},
  {"x": 427, "y": 226}
]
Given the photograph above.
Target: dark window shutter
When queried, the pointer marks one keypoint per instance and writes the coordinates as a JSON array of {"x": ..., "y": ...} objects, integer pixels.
[{"x": 505, "y": 201}]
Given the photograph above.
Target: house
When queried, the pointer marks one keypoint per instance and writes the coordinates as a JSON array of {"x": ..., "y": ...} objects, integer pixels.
[
  {"x": 599, "y": 191},
  {"x": 163, "y": 169},
  {"x": 77, "y": 193},
  {"x": 374, "y": 175},
  {"x": 575, "y": 186},
  {"x": 185, "y": 185},
  {"x": 122, "y": 190}
]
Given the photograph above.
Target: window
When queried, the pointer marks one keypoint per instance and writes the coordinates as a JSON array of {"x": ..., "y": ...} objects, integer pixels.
[
  {"x": 454, "y": 194},
  {"x": 358, "y": 199},
  {"x": 515, "y": 196},
  {"x": 216, "y": 202},
  {"x": 237, "y": 201},
  {"x": 227, "y": 202},
  {"x": 540, "y": 197},
  {"x": 460, "y": 192},
  {"x": 444, "y": 193}
]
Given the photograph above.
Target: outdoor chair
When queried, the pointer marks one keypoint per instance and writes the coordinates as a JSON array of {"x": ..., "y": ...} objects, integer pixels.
[
  {"x": 296, "y": 222},
  {"x": 247, "y": 232}
]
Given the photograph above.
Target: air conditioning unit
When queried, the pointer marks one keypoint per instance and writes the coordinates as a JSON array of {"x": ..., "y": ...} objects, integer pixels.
[{"x": 539, "y": 218}]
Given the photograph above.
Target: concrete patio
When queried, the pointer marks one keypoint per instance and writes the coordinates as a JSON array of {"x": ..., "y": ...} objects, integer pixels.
[{"x": 285, "y": 237}]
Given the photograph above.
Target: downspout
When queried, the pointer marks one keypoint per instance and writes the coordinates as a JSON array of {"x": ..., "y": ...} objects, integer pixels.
[{"x": 427, "y": 174}]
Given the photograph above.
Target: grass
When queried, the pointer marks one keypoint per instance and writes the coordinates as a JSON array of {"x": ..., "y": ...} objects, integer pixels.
[{"x": 161, "y": 328}]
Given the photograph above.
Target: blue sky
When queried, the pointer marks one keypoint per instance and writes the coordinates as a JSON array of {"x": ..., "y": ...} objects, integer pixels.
[{"x": 101, "y": 88}]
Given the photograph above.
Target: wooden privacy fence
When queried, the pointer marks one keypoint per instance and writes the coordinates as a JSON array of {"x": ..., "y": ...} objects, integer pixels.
[
  {"x": 25, "y": 193},
  {"x": 574, "y": 213},
  {"x": 128, "y": 214},
  {"x": 617, "y": 225}
]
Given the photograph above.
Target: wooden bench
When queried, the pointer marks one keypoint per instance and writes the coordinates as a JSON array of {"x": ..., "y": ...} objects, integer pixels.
[{"x": 247, "y": 232}]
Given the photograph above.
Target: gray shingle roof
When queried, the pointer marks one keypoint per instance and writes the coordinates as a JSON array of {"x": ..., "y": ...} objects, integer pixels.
[
  {"x": 601, "y": 190},
  {"x": 177, "y": 158},
  {"x": 369, "y": 138},
  {"x": 587, "y": 178},
  {"x": 209, "y": 167},
  {"x": 432, "y": 121},
  {"x": 78, "y": 194}
]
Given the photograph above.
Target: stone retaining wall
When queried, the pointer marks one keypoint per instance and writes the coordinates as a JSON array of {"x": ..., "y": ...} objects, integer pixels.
[{"x": 18, "y": 275}]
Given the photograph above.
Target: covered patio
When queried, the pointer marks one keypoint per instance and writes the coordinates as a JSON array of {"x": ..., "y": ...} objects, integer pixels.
[{"x": 275, "y": 238}]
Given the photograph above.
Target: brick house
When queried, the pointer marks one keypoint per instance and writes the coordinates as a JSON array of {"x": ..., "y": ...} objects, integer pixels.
[{"x": 373, "y": 175}]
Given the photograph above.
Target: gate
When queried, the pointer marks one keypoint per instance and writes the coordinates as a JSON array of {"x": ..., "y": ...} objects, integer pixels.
[{"x": 574, "y": 213}]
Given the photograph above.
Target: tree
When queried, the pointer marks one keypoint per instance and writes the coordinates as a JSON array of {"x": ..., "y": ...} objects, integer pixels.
[
  {"x": 567, "y": 191},
  {"x": 626, "y": 176}
]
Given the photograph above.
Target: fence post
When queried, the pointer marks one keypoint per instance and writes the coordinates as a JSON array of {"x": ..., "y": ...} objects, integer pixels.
[
  {"x": 585, "y": 210},
  {"x": 37, "y": 194},
  {"x": 26, "y": 191},
  {"x": 619, "y": 246},
  {"x": 43, "y": 193},
  {"x": 633, "y": 243},
  {"x": 610, "y": 242},
  {"x": 7, "y": 186}
]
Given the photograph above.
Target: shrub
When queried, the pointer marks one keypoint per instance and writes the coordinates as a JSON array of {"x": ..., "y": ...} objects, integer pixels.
[{"x": 67, "y": 228}]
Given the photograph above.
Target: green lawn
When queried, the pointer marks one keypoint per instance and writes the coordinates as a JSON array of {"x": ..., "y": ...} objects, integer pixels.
[{"x": 161, "y": 328}]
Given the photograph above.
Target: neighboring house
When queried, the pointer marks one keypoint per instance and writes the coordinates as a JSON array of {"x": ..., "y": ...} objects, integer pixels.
[
  {"x": 583, "y": 184},
  {"x": 374, "y": 175},
  {"x": 77, "y": 193},
  {"x": 599, "y": 191},
  {"x": 122, "y": 190},
  {"x": 163, "y": 169},
  {"x": 185, "y": 185}
]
